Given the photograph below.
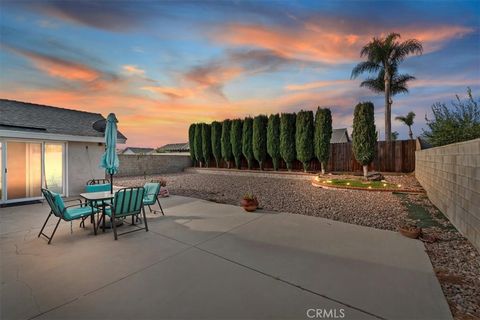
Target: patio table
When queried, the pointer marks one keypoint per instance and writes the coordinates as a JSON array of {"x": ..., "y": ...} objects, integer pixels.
[{"x": 101, "y": 196}]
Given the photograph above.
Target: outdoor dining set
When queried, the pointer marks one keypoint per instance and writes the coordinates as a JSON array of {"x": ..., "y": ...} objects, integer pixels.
[{"x": 102, "y": 199}]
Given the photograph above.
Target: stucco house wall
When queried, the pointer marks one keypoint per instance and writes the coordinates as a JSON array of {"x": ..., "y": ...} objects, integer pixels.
[{"x": 84, "y": 164}]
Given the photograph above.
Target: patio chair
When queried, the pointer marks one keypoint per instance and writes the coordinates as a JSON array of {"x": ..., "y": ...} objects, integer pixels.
[
  {"x": 66, "y": 213},
  {"x": 96, "y": 185},
  {"x": 127, "y": 202},
  {"x": 152, "y": 190},
  {"x": 97, "y": 181}
]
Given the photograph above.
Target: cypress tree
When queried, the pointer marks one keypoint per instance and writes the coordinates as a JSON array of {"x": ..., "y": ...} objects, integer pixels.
[
  {"x": 191, "y": 141},
  {"x": 198, "y": 143},
  {"x": 206, "y": 143},
  {"x": 236, "y": 141},
  {"x": 364, "y": 134},
  {"x": 323, "y": 135},
  {"x": 304, "y": 137},
  {"x": 247, "y": 141},
  {"x": 260, "y": 139},
  {"x": 225, "y": 140},
  {"x": 287, "y": 138},
  {"x": 216, "y": 141},
  {"x": 273, "y": 139}
]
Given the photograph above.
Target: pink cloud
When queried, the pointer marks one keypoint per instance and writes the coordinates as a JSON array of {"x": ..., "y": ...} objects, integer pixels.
[{"x": 329, "y": 41}]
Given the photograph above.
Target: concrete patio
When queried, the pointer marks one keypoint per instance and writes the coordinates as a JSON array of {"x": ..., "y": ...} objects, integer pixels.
[{"x": 209, "y": 260}]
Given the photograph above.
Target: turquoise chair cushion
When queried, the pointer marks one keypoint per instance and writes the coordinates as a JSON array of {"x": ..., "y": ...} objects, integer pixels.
[
  {"x": 151, "y": 192},
  {"x": 97, "y": 187},
  {"x": 79, "y": 212},
  {"x": 57, "y": 199}
]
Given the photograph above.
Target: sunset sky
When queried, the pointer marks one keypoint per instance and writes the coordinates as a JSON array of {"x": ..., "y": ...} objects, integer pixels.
[{"x": 163, "y": 65}]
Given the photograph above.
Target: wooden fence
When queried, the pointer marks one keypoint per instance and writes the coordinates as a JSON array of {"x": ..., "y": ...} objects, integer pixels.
[{"x": 395, "y": 156}]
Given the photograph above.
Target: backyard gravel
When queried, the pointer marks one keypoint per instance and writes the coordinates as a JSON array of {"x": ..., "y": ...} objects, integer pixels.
[{"x": 455, "y": 260}]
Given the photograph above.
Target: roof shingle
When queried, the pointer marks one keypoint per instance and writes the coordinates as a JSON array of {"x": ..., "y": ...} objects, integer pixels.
[{"x": 30, "y": 117}]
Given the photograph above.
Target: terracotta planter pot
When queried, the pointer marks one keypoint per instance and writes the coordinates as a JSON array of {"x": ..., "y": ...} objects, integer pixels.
[
  {"x": 412, "y": 233},
  {"x": 249, "y": 205}
]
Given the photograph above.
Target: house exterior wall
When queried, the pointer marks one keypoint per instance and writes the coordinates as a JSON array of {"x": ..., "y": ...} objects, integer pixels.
[
  {"x": 451, "y": 177},
  {"x": 83, "y": 164},
  {"x": 144, "y": 164}
]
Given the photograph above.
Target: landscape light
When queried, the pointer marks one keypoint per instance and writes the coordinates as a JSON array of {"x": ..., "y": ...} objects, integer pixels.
[
  {"x": 399, "y": 185},
  {"x": 384, "y": 184},
  {"x": 369, "y": 187},
  {"x": 348, "y": 183}
]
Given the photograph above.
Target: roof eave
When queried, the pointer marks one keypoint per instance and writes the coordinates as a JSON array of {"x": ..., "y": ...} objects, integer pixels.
[{"x": 53, "y": 136}]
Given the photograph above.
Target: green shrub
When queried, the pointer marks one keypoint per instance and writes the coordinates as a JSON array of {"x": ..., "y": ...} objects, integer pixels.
[
  {"x": 216, "y": 141},
  {"x": 236, "y": 141},
  {"x": 191, "y": 141},
  {"x": 247, "y": 146},
  {"x": 260, "y": 139},
  {"x": 364, "y": 136},
  {"x": 198, "y": 143},
  {"x": 322, "y": 136},
  {"x": 226, "y": 145},
  {"x": 460, "y": 122},
  {"x": 273, "y": 139},
  {"x": 287, "y": 138},
  {"x": 304, "y": 137},
  {"x": 206, "y": 143}
]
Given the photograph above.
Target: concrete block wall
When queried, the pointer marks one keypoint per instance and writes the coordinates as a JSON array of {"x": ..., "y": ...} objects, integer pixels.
[
  {"x": 451, "y": 176},
  {"x": 145, "y": 164}
]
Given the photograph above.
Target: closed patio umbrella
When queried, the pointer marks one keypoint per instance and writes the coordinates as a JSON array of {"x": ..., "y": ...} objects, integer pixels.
[{"x": 110, "y": 159}]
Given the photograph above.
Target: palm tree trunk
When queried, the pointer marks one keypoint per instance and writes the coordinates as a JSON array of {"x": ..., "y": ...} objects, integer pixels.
[
  {"x": 410, "y": 133},
  {"x": 388, "y": 108}
]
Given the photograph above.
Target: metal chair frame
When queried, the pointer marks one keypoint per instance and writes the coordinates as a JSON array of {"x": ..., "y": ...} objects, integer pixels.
[
  {"x": 59, "y": 214},
  {"x": 135, "y": 212},
  {"x": 157, "y": 199},
  {"x": 97, "y": 181}
]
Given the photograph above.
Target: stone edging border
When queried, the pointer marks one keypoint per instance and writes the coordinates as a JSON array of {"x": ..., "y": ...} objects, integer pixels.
[{"x": 333, "y": 187}]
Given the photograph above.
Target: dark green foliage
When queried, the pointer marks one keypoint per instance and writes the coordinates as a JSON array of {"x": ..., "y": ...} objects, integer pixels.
[
  {"x": 198, "y": 143},
  {"x": 364, "y": 135},
  {"x": 260, "y": 139},
  {"x": 191, "y": 141},
  {"x": 287, "y": 138},
  {"x": 236, "y": 141},
  {"x": 322, "y": 135},
  {"x": 206, "y": 143},
  {"x": 304, "y": 137},
  {"x": 225, "y": 140},
  {"x": 216, "y": 141},
  {"x": 460, "y": 122},
  {"x": 273, "y": 139},
  {"x": 247, "y": 146}
]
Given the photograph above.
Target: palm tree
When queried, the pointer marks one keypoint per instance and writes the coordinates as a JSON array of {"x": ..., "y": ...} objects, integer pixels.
[
  {"x": 408, "y": 120},
  {"x": 383, "y": 57}
]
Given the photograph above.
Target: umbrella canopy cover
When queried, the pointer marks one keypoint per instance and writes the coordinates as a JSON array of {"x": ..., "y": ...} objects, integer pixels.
[{"x": 110, "y": 159}]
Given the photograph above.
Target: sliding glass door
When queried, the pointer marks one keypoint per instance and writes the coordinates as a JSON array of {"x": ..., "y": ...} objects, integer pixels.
[
  {"x": 54, "y": 167},
  {"x": 24, "y": 170},
  {"x": 26, "y": 166}
]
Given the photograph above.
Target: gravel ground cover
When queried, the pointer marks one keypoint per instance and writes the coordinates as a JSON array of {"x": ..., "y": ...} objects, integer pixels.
[{"x": 455, "y": 260}]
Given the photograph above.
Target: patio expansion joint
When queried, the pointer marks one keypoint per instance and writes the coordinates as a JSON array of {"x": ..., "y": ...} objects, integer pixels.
[
  {"x": 189, "y": 247},
  {"x": 277, "y": 278}
]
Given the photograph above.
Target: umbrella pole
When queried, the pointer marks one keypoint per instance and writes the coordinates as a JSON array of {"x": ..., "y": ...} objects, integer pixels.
[{"x": 111, "y": 183}]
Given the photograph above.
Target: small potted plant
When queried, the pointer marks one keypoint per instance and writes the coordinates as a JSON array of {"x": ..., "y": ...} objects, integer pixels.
[
  {"x": 249, "y": 202},
  {"x": 410, "y": 231}
]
